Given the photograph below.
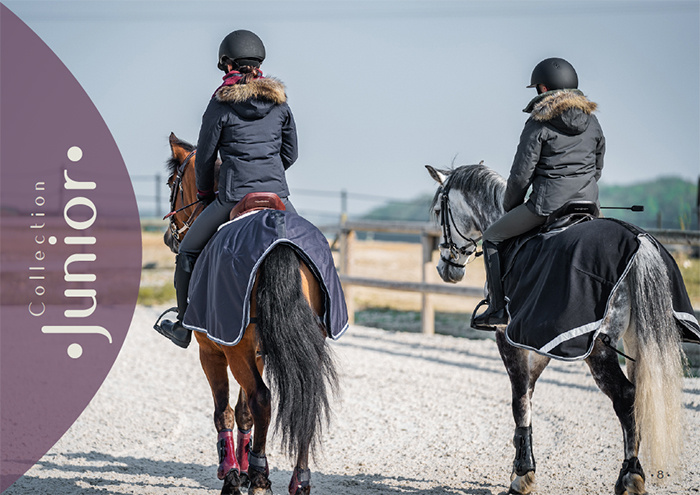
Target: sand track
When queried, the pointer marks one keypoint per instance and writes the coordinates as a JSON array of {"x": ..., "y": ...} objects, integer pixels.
[{"x": 418, "y": 415}]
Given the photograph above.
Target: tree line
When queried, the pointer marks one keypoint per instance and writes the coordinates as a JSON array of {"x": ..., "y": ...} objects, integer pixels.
[{"x": 669, "y": 203}]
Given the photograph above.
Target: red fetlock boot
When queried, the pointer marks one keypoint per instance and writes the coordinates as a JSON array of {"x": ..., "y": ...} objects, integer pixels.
[
  {"x": 242, "y": 449},
  {"x": 227, "y": 457}
]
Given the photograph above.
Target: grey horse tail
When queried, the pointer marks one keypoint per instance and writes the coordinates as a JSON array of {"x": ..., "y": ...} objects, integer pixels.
[
  {"x": 298, "y": 363},
  {"x": 658, "y": 372}
]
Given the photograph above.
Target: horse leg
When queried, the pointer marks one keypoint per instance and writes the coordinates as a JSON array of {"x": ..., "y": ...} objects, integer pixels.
[
  {"x": 300, "y": 483},
  {"x": 259, "y": 402},
  {"x": 524, "y": 368},
  {"x": 214, "y": 364},
  {"x": 246, "y": 367},
  {"x": 609, "y": 377},
  {"x": 244, "y": 420}
]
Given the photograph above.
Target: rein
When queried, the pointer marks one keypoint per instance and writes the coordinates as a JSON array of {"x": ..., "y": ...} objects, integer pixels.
[
  {"x": 456, "y": 252},
  {"x": 174, "y": 188}
]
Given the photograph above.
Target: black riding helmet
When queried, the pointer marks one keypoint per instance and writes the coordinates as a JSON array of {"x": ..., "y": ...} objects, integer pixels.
[
  {"x": 555, "y": 73},
  {"x": 240, "y": 48}
]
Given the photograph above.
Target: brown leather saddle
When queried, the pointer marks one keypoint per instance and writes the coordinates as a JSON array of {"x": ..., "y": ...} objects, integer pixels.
[{"x": 257, "y": 201}]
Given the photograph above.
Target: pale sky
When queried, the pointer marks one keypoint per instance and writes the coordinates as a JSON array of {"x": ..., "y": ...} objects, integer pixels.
[{"x": 380, "y": 88}]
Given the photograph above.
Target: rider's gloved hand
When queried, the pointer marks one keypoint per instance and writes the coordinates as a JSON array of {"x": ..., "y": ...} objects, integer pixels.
[{"x": 206, "y": 197}]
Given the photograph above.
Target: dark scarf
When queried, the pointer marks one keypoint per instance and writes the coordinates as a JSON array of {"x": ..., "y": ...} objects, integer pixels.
[{"x": 234, "y": 77}]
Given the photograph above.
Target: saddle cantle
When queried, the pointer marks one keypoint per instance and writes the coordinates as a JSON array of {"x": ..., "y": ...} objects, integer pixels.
[
  {"x": 571, "y": 213},
  {"x": 257, "y": 201}
]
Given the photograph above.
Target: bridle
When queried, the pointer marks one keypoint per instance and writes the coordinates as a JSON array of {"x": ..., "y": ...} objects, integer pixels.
[
  {"x": 456, "y": 252},
  {"x": 176, "y": 186}
]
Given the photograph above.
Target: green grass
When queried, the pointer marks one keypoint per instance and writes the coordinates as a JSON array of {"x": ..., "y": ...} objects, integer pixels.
[
  {"x": 690, "y": 269},
  {"x": 155, "y": 296}
]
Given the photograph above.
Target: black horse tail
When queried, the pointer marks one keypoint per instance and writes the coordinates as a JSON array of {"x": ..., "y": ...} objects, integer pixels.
[{"x": 299, "y": 366}]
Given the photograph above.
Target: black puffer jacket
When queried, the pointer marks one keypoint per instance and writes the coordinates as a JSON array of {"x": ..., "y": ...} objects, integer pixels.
[
  {"x": 560, "y": 153},
  {"x": 252, "y": 128}
]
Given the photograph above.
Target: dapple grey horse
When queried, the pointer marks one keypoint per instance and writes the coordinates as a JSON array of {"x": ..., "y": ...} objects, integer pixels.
[{"x": 647, "y": 400}]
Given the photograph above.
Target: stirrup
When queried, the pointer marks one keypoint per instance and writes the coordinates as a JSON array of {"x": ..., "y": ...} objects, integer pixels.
[
  {"x": 181, "y": 336},
  {"x": 169, "y": 310},
  {"x": 487, "y": 320}
]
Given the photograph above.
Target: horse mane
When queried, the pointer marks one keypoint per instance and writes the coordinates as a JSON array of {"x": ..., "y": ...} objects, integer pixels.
[{"x": 483, "y": 189}]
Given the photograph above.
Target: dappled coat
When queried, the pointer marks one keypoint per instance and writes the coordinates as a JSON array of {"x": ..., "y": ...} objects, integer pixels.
[
  {"x": 560, "y": 153},
  {"x": 252, "y": 127}
]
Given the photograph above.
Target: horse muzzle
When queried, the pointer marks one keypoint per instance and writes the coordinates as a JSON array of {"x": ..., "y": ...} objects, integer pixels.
[
  {"x": 171, "y": 242},
  {"x": 449, "y": 271}
]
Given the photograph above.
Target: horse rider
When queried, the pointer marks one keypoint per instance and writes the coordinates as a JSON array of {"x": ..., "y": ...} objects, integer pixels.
[
  {"x": 560, "y": 155},
  {"x": 250, "y": 125}
]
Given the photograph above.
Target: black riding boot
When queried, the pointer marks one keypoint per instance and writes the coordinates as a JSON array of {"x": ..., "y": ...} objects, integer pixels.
[
  {"x": 496, "y": 313},
  {"x": 174, "y": 330}
]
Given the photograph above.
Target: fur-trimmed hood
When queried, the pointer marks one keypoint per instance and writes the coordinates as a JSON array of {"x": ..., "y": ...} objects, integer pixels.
[
  {"x": 267, "y": 88},
  {"x": 568, "y": 110},
  {"x": 255, "y": 99}
]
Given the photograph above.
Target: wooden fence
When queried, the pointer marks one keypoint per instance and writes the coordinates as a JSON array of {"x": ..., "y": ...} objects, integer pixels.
[{"x": 430, "y": 238}]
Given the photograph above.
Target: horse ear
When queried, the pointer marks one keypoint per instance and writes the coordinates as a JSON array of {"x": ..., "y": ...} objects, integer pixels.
[
  {"x": 437, "y": 175},
  {"x": 173, "y": 140},
  {"x": 178, "y": 151}
]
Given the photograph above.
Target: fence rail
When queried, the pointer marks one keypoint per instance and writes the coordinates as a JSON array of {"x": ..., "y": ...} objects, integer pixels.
[{"x": 430, "y": 236}]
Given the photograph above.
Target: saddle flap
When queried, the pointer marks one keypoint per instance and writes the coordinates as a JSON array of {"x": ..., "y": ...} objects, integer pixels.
[{"x": 257, "y": 201}]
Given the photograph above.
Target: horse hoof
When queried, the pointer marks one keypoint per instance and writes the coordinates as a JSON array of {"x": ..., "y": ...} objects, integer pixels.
[
  {"x": 522, "y": 485},
  {"x": 245, "y": 481},
  {"x": 630, "y": 484},
  {"x": 259, "y": 491},
  {"x": 631, "y": 479},
  {"x": 232, "y": 483},
  {"x": 259, "y": 483}
]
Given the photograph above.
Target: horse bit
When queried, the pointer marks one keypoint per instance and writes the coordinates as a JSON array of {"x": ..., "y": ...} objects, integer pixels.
[
  {"x": 455, "y": 251},
  {"x": 174, "y": 187}
]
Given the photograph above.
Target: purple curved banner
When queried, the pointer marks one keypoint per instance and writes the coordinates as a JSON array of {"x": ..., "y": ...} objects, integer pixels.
[{"x": 70, "y": 249}]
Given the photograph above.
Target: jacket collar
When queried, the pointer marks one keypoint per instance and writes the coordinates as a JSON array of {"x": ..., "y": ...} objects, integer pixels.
[
  {"x": 269, "y": 89},
  {"x": 552, "y": 104}
]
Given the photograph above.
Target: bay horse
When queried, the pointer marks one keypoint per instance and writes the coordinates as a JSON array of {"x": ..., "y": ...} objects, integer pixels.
[
  {"x": 648, "y": 404},
  {"x": 287, "y": 344}
]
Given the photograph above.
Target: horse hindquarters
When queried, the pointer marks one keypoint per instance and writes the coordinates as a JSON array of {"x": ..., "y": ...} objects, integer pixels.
[
  {"x": 297, "y": 359},
  {"x": 657, "y": 373}
]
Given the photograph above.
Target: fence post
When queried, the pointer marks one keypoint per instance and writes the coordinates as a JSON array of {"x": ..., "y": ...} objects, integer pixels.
[
  {"x": 343, "y": 206},
  {"x": 427, "y": 314},
  {"x": 347, "y": 237}
]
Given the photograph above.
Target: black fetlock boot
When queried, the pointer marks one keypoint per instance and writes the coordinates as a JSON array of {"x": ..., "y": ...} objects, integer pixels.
[
  {"x": 174, "y": 330},
  {"x": 496, "y": 313},
  {"x": 524, "y": 459}
]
